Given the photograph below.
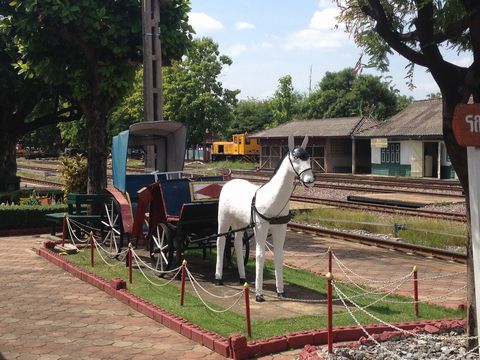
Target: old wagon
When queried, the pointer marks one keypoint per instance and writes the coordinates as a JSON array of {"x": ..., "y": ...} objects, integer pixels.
[{"x": 166, "y": 207}]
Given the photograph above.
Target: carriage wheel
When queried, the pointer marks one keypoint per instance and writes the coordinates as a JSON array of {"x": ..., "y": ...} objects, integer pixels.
[
  {"x": 161, "y": 247},
  {"x": 230, "y": 249},
  {"x": 112, "y": 227}
]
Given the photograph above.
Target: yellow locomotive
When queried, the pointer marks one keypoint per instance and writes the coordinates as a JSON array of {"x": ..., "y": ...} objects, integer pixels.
[{"x": 242, "y": 147}]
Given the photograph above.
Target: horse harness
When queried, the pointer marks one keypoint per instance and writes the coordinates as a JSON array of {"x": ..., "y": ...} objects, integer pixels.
[{"x": 300, "y": 153}]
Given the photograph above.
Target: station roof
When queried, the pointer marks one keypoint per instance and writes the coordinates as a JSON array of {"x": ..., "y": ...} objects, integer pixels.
[
  {"x": 332, "y": 127},
  {"x": 422, "y": 118}
]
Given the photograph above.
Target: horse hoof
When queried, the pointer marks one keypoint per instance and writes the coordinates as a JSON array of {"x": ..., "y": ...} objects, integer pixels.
[
  {"x": 242, "y": 281},
  {"x": 259, "y": 298},
  {"x": 218, "y": 282},
  {"x": 280, "y": 295}
]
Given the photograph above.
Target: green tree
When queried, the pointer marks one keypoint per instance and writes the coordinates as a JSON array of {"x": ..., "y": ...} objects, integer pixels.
[
  {"x": 193, "y": 93},
  {"x": 285, "y": 102},
  {"x": 87, "y": 50},
  {"x": 26, "y": 105},
  {"x": 341, "y": 94},
  {"x": 250, "y": 115},
  {"x": 418, "y": 30}
]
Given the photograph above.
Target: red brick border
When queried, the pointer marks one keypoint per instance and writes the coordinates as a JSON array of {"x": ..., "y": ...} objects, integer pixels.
[{"x": 237, "y": 346}]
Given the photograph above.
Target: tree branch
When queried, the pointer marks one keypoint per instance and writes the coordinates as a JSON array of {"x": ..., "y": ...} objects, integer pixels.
[
  {"x": 393, "y": 38},
  {"x": 451, "y": 32},
  {"x": 49, "y": 120}
]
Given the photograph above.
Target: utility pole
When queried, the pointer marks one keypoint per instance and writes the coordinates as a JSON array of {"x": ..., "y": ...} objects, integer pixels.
[
  {"x": 310, "y": 81},
  {"x": 152, "y": 69}
]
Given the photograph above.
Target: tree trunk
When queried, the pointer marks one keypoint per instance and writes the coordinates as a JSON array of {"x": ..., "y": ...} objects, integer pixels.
[
  {"x": 458, "y": 157},
  {"x": 8, "y": 163},
  {"x": 97, "y": 152}
]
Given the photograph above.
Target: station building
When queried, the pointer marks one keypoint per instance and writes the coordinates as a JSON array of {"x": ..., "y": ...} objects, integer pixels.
[
  {"x": 331, "y": 146},
  {"x": 410, "y": 143}
]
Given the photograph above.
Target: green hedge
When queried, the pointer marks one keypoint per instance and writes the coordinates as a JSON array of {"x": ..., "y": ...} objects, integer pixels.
[
  {"x": 23, "y": 217},
  {"x": 15, "y": 196}
]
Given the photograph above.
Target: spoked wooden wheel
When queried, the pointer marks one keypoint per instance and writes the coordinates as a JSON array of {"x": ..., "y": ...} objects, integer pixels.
[
  {"x": 161, "y": 247},
  {"x": 230, "y": 249},
  {"x": 112, "y": 227}
]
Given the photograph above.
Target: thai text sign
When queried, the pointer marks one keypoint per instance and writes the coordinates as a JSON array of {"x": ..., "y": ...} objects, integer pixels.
[
  {"x": 466, "y": 124},
  {"x": 379, "y": 143}
]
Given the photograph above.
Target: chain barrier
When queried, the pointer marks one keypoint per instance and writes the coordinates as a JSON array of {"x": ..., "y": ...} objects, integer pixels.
[
  {"x": 340, "y": 264},
  {"x": 155, "y": 271},
  {"x": 208, "y": 292},
  {"x": 362, "y": 308},
  {"x": 239, "y": 294},
  {"x": 440, "y": 298},
  {"x": 136, "y": 258},
  {"x": 342, "y": 299},
  {"x": 117, "y": 263},
  {"x": 269, "y": 247}
]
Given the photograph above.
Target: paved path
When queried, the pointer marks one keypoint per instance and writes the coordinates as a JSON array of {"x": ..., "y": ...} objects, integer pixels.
[{"x": 46, "y": 313}]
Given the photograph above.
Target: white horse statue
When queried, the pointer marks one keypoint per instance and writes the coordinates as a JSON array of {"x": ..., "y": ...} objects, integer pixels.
[{"x": 265, "y": 208}]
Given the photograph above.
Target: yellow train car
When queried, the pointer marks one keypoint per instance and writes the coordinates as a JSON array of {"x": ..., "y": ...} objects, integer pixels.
[{"x": 241, "y": 147}]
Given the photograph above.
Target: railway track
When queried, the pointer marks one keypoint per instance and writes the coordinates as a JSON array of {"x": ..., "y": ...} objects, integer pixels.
[
  {"x": 382, "y": 208},
  {"x": 366, "y": 240},
  {"x": 367, "y": 180},
  {"x": 387, "y": 244}
]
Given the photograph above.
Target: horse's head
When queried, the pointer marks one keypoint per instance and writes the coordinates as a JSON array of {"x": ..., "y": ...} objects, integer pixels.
[{"x": 300, "y": 161}]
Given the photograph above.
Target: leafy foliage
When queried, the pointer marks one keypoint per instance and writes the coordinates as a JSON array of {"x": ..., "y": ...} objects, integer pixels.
[
  {"x": 342, "y": 94},
  {"x": 73, "y": 170},
  {"x": 193, "y": 93},
  {"x": 285, "y": 102},
  {"x": 23, "y": 217},
  {"x": 250, "y": 115}
]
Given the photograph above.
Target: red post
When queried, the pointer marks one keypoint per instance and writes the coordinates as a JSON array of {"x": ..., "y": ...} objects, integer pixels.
[
  {"x": 329, "y": 278},
  {"x": 64, "y": 228},
  {"x": 247, "y": 309},
  {"x": 92, "y": 246},
  {"x": 415, "y": 290},
  {"x": 330, "y": 260},
  {"x": 182, "y": 287},
  {"x": 129, "y": 263}
]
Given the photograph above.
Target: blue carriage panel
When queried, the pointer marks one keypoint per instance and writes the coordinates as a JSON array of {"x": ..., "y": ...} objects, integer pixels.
[
  {"x": 134, "y": 182},
  {"x": 175, "y": 194}
]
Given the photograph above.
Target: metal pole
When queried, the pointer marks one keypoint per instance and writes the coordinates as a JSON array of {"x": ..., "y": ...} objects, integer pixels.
[
  {"x": 330, "y": 260},
  {"x": 91, "y": 249},
  {"x": 247, "y": 309},
  {"x": 130, "y": 278},
  {"x": 415, "y": 290},
  {"x": 329, "y": 278},
  {"x": 182, "y": 288},
  {"x": 64, "y": 226}
]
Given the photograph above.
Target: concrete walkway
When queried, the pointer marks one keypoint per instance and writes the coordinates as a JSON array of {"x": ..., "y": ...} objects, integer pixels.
[{"x": 46, "y": 313}]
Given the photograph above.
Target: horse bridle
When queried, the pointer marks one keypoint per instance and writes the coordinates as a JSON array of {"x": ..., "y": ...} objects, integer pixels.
[{"x": 302, "y": 156}]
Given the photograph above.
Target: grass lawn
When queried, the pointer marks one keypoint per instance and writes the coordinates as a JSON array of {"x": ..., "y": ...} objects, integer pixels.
[
  {"x": 428, "y": 232},
  {"x": 229, "y": 322}
]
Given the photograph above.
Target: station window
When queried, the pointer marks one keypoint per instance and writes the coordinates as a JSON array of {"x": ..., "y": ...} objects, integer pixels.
[{"x": 391, "y": 154}]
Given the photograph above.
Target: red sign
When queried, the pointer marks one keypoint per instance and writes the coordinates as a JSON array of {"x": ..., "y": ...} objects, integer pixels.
[{"x": 466, "y": 124}]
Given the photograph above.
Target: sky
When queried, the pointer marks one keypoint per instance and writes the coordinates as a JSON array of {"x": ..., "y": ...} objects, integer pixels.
[{"x": 268, "y": 39}]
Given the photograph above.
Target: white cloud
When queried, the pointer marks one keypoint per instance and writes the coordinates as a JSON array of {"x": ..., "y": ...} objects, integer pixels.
[
  {"x": 321, "y": 32},
  {"x": 236, "y": 49},
  {"x": 464, "y": 61},
  {"x": 243, "y": 25},
  {"x": 239, "y": 48},
  {"x": 202, "y": 23}
]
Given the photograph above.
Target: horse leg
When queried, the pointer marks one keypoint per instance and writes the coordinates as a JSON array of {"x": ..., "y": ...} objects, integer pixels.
[
  {"x": 278, "y": 235},
  {"x": 222, "y": 228},
  {"x": 239, "y": 251},
  {"x": 261, "y": 231}
]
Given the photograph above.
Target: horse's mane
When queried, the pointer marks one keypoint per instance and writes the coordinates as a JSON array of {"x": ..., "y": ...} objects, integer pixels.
[{"x": 280, "y": 163}]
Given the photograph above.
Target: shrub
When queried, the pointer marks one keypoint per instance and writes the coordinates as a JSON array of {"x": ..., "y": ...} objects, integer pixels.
[
  {"x": 74, "y": 173},
  {"x": 15, "y": 196},
  {"x": 23, "y": 217}
]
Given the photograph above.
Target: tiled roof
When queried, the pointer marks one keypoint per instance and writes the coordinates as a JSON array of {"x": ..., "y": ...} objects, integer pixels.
[
  {"x": 335, "y": 127},
  {"x": 420, "y": 118}
]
